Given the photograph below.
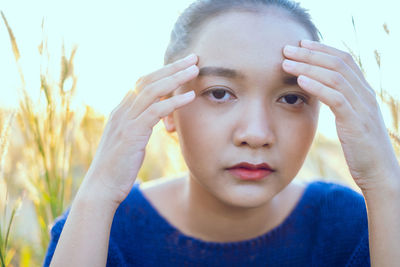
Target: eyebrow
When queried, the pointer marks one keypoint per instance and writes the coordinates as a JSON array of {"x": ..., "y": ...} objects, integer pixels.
[
  {"x": 289, "y": 80},
  {"x": 234, "y": 74},
  {"x": 221, "y": 72}
]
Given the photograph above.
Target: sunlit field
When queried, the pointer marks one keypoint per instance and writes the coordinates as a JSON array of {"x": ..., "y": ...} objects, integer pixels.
[{"x": 47, "y": 144}]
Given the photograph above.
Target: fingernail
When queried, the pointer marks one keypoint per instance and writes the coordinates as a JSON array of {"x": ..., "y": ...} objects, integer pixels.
[
  {"x": 288, "y": 64},
  {"x": 303, "y": 80},
  {"x": 290, "y": 50},
  {"x": 306, "y": 43},
  {"x": 188, "y": 95},
  {"x": 191, "y": 58},
  {"x": 192, "y": 69}
]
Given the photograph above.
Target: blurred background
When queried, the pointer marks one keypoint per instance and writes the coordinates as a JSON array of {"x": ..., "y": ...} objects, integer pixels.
[{"x": 64, "y": 65}]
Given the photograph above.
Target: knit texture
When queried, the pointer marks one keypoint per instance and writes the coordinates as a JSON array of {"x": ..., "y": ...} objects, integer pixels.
[{"x": 327, "y": 227}]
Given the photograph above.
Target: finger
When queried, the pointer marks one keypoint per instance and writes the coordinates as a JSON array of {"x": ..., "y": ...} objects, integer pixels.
[
  {"x": 128, "y": 98},
  {"x": 346, "y": 57},
  {"x": 335, "y": 100},
  {"x": 166, "y": 71},
  {"x": 153, "y": 114},
  {"x": 325, "y": 60},
  {"x": 153, "y": 92},
  {"x": 327, "y": 77}
]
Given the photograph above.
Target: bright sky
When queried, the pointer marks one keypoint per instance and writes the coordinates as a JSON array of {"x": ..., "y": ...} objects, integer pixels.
[{"x": 118, "y": 41}]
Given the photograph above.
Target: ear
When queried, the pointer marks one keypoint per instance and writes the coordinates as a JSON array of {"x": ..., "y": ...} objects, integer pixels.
[{"x": 169, "y": 123}]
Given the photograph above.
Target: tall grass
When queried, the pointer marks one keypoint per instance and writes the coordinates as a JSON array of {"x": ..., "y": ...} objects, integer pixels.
[
  {"x": 7, "y": 252},
  {"x": 48, "y": 134},
  {"x": 54, "y": 147},
  {"x": 392, "y": 103}
]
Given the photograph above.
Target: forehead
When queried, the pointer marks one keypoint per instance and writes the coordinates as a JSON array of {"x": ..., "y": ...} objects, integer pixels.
[{"x": 247, "y": 41}]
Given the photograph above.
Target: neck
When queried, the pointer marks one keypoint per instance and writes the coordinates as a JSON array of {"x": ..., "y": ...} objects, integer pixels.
[{"x": 210, "y": 219}]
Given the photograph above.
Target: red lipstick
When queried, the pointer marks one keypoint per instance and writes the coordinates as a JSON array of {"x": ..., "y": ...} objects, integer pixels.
[{"x": 252, "y": 172}]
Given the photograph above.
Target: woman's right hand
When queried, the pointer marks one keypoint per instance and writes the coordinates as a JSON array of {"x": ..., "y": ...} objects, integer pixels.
[{"x": 121, "y": 150}]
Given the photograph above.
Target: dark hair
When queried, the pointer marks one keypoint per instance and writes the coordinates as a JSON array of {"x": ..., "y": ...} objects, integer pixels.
[{"x": 192, "y": 18}]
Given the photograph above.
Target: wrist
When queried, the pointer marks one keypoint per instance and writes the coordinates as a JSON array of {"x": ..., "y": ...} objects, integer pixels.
[
  {"x": 93, "y": 195},
  {"x": 386, "y": 187},
  {"x": 92, "y": 204}
]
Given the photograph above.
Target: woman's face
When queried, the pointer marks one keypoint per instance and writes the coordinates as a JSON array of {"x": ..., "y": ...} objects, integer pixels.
[{"x": 258, "y": 114}]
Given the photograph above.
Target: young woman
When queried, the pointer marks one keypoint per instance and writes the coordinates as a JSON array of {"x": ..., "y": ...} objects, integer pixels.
[{"x": 242, "y": 87}]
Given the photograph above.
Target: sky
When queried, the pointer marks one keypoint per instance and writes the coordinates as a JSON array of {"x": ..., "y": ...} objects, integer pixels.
[{"x": 119, "y": 41}]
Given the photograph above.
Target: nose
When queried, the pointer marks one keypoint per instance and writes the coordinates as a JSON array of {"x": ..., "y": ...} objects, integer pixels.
[{"x": 254, "y": 127}]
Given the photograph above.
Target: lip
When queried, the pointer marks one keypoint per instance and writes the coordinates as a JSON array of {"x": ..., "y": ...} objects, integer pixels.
[{"x": 248, "y": 171}]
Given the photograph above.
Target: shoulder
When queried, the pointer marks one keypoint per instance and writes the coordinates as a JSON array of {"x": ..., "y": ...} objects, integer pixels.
[
  {"x": 147, "y": 199},
  {"x": 335, "y": 202},
  {"x": 164, "y": 194},
  {"x": 138, "y": 202},
  {"x": 327, "y": 206},
  {"x": 134, "y": 221},
  {"x": 335, "y": 196},
  {"x": 341, "y": 230}
]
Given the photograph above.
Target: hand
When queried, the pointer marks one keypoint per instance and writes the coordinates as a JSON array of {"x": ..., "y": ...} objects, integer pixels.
[
  {"x": 335, "y": 79},
  {"x": 121, "y": 150}
]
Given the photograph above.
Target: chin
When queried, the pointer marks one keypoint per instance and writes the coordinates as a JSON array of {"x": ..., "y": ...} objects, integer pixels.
[{"x": 247, "y": 196}]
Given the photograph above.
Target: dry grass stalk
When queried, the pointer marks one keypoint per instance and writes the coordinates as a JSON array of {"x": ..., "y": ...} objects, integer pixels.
[
  {"x": 49, "y": 130},
  {"x": 14, "y": 47},
  {"x": 386, "y": 98},
  {"x": 357, "y": 57},
  {"x": 12, "y": 38},
  {"x": 395, "y": 137},
  {"x": 4, "y": 141},
  {"x": 6, "y": 253},
  {"x": 377, "y": 58},
  {"x": 386, "y": 28}
]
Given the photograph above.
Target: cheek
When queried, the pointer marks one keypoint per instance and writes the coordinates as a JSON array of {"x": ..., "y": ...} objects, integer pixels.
[
  {"x": 300, "y": 129},
  {"x": 296, "y": 140},
  {"x": 199, "y": 136}
]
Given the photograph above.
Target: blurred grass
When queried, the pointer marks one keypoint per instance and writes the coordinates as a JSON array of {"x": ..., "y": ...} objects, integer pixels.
[
  {"x": 7, "y": 250},
  {"x": 49, "y": 147}
]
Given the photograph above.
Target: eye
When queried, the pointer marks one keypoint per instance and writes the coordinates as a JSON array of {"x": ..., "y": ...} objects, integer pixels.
[
  {"x": 295, "y": 100},
  {"x": 218, "y": 95}
]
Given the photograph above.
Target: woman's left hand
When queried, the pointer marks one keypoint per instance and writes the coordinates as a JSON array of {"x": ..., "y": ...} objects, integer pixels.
[{"x": 336, "y": 80}]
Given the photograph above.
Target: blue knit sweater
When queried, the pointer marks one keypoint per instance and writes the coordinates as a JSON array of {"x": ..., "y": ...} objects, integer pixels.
[{"x": 327, "y": 227}]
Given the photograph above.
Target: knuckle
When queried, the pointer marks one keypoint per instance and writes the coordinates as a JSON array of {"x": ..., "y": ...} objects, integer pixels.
[
  {"x": 143, "y": 80},
  {"x": 114, "y": 114},
  {"x": 347, "y": 57},
  {"x": 139, "y": 81},
  {"x": 150, "y": 91},
  {"x": 338, "y": 63},
  {"x": 309, "y": 54},
  {"x": 337, "y": 79},
  {"x": 338, "y": 100},
  {"x": 153, "y": 110},
  {"x": 116, "y": 117}
]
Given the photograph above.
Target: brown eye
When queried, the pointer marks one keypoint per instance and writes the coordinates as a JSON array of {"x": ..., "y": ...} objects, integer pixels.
[
  {"x": 293, "y": 99},
  {"x": 219, "y": 95}
]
